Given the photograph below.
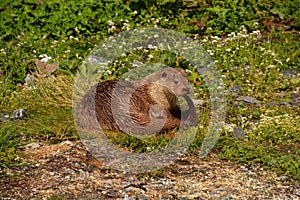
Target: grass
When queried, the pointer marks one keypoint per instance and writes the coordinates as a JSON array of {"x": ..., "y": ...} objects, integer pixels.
[{"x": 263, "y": 53}]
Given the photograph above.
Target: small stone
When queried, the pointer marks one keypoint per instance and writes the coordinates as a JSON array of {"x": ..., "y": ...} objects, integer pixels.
[
  {"x": 4, "y": 117},
  {"x": 142, "y": 196},
  {"x": 291, "y": 73},
  {"x": 19, "y": 114},
  {"x": 281, "y": 94},
  {"x": 298, "y": 193},
  {"x": 246, "y": 69},
  {"x": 295, "y": 95},
  {"x": 238, "y": 132},
  {"x": 285, "y": 103},
  {"x": 281, "y": 178},
  {"x": 248, "y": 99},
  {"x": 234, "y": 90},
  {"x": 271, "y": 104},
  {"x": 225, "y": 198},
  {"x": 33, "y": 145}
]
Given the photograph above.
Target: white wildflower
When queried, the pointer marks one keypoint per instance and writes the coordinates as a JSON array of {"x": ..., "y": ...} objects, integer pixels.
[{"x": 110, "y": 23}]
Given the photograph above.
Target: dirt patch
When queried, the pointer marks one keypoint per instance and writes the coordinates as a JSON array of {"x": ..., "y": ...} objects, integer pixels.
[{"x": 65, "y": 170}]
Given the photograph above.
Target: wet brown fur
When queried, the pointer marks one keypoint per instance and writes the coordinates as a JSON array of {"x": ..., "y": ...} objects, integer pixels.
[{"x": 153, "y": 105}]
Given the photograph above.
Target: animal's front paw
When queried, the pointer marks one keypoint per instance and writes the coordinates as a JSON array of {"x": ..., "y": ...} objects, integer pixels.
[{"x": 192, "y": 119}]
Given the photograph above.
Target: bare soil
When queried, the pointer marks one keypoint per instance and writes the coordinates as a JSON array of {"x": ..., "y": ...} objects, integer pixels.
[{"x": 65, "y": 171}]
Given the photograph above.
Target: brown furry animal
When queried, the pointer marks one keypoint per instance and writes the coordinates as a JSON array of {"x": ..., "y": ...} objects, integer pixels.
[{"x": 141, "y": 107}]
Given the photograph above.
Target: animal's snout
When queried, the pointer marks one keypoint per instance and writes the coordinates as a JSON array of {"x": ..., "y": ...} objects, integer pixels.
[{"x": 186, "y": 90}]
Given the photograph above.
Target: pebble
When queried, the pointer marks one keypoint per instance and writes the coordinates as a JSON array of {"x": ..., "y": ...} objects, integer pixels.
[
  {"x": 281, "y": 178},
  {"x": 291, "y": 73},
  {"x": 17, "y": 114},
  {"x": 285, "y": 103},
  {"x": 238, "y": 132},
  {"x": 248, "y": 99},
  {"x": 234, "y": 90},
  {"x": 225, "y": 198}
]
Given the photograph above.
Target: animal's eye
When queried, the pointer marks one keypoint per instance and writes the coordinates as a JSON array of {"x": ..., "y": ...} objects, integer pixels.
[
  {"x": 175, "y": 82},
  {"x": 164, "y": 74}
]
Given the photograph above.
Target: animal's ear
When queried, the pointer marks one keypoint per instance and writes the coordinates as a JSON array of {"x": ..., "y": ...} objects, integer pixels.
[{"x": 164, "y": 74}]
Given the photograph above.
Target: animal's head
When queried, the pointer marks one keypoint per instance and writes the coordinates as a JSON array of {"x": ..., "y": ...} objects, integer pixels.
[{"x": 174, "y": 79}]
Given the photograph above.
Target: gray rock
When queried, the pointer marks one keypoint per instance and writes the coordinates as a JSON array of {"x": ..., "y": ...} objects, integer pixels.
[
  {"x": 271, "y": 104},
  {"x": 238, "y": 132},
  {"x": 4, "y": 117},
  {"x": 19, "y": 114},
  {"x": 246, "y": 69},
  {"x": 282, "y": 178},
  {"x": 285, "y": 103},
  {"x": 248, "y": 99},
  {"x": 225, "y": 198},
  {"x": 234, "y": 90},
  {"x": 291, "y": 73},
  {"x": 142, "y": 196}
]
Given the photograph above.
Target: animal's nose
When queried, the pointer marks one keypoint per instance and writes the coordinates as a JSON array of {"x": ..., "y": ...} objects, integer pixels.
[{"x": 186, "y": 89}]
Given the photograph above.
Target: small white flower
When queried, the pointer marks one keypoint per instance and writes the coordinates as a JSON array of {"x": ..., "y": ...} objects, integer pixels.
[
  {"x": 228, "y": 50},
  {"x": 278, "y": 61},
  {"x": 74, "y": 38},
  {"x": 110, "y": 23},
  {"x": 135, "y": 12},
  {"x": 46, "y": 59},
  {"x": 271, "y": 66},
  {"x": 77, "y": 30},
  {"x": 287, "y": 60}
]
